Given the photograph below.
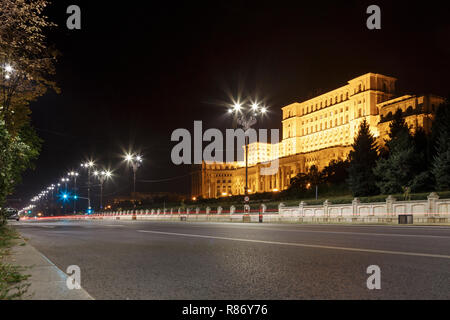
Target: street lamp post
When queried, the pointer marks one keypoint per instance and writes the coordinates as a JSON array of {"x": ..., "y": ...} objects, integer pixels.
[
  {"x": 135, "y": 161},
  {"x": 75, "y": 176},
  {"x": 102, "y": 177},
  {"x": 89, "y": 165},
  {"x": 246, "y": 121}
]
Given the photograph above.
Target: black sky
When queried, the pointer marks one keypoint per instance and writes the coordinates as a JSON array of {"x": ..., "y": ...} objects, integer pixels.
[{"x": 137, "y": 70}]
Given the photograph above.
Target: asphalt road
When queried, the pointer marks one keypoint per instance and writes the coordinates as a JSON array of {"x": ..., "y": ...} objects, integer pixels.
[{"x": 184, "y": 260}]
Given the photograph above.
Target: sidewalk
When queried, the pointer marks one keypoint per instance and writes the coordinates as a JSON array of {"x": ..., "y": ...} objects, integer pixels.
[{"x": 47, "y": 281}]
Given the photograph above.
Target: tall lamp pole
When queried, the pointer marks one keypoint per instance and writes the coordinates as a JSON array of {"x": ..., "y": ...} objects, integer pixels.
[
  {"x": 75, "y": 176},
  {"x": 247, "y": 119},
  {"x": 88, "y": 165},
  {"x": 102, "y": 176},
  {"x": 135, "y": 161}
]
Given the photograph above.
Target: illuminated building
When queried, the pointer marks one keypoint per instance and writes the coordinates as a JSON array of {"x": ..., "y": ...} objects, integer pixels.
[{"x": 316, "y": 131}]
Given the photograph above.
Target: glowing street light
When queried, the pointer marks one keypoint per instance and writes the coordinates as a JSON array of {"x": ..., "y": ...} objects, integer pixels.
[
  {"x": 74, "y": 175},
  {"x": 8, "y": 71},
  {"x": 102, "y": 176},
  {"x": 246, "y": 122},
  {"x": 135, "y": 161},
  {"x": 89, "y": 165}
]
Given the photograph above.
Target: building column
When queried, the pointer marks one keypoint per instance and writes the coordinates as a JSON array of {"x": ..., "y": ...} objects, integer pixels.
[{"x": 258, "y": 177}]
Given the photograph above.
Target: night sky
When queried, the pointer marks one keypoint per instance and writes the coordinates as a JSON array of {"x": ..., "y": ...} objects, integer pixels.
[{"x": 137, "y": 70}]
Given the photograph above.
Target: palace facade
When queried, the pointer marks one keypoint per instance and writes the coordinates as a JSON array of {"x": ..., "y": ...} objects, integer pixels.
[{"x": 316, "y": 131}]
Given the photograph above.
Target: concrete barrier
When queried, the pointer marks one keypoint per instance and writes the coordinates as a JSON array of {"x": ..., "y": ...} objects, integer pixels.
[{"x": 430, "y": 211}]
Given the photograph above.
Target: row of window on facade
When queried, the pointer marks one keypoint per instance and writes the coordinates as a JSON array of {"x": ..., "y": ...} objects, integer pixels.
[
  {"x": 324, "y": 125},
  {"x": 325, "y": 115},
  {"x": 328, "y": 102},
  {"x": 325, "y": 103}
]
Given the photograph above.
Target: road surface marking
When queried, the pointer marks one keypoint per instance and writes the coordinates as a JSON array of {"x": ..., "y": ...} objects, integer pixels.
[
  {"x": 256, "y": 227},
  {"x": 302, "y": 245},
  {"x": 358, "y": 233}
]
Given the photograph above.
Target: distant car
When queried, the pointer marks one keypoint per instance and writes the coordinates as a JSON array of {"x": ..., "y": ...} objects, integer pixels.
[
  {"x": 12, "y": 214},
  {"x": 14, "y": 217}
]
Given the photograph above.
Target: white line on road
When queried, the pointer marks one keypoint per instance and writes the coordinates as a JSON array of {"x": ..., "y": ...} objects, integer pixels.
[
  {"x": 259, "y": 227},
  {"x": 302, "y": 245},
  {"x": 358, "y": 233}
]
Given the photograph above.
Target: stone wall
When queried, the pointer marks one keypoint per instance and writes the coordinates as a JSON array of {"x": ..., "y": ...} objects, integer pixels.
[{"x": 432, "y": 210}]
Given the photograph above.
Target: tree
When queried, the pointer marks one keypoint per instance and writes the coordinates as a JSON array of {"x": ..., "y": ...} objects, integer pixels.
[
  {"x": 336, "y": 172},
  {"x": 15, "y": 156},
  {"x": 27, "y": 63},
  {"x": 304, "y": 181},
  {"x": 401, "y": 168},
  {"x": 441, "y": 164},
  {"x": 441, "y": 147},
  {"x": 362, "y": 159},
  {"x": 27, "y": 67}
]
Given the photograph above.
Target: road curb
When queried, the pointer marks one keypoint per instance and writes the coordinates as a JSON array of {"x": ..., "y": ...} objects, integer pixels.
[{"x": 47, "y": 281}]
